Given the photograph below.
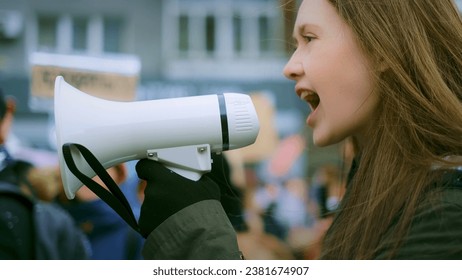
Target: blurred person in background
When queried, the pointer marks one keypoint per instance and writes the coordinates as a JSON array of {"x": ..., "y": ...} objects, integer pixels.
[
  {"x": 326, "y": 192},
  {"x": 30, "y": 227},
  {"x": 283, "y": 206},
  {"x": 111, "y": 238},
  {"x": 255, "y": 242}
]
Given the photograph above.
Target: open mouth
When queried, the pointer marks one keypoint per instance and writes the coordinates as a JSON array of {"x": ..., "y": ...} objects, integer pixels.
[{"x": 311, "y": 97}]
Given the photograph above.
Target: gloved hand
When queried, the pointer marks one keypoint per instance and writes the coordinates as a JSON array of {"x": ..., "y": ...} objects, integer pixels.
[
  {"x": 231, "y": 196},
  {"x": 167, "y": 193}
]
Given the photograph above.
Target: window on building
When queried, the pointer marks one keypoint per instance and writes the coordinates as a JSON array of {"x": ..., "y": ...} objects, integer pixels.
[
  {"x": 81, "y": 34},
  {"x": 264, "y": 33},
  {"x": 112, "y": 35},
  {"x": 210, "y": 34},
  {"x": 240, "y": 29},
  {"x": 237, "y": 33},
  {"x": 47, "y": 33},
  {"x": 183, "y": 33},
  {"x": 223, "y": 39}
]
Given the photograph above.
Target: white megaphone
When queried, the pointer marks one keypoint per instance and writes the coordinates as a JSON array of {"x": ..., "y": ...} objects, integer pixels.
[{"x": 181, "y": 132}]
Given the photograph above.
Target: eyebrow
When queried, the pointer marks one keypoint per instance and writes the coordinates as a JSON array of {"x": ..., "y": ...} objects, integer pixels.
[{"x": 301, "y": 28}]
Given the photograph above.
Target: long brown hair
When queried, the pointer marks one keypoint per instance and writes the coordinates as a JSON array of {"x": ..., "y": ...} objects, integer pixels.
[{"x": 416, "y": 46}]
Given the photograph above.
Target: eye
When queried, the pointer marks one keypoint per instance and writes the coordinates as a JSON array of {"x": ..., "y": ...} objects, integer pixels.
[
  {"x": 308, "y": 38},
  {"x": 300, "y": 41}
]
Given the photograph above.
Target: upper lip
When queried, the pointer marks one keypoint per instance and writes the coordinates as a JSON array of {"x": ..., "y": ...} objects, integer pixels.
[
  {"x": 308, "y": 95},
  {"x": 303, "y": 93}
]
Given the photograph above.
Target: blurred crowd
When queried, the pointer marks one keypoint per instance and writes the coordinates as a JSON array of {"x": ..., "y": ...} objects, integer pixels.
[{"x": 287, "y": 215}]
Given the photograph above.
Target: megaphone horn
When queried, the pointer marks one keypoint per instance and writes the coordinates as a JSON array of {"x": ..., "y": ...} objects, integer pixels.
[{"x": 178, "y": 132}]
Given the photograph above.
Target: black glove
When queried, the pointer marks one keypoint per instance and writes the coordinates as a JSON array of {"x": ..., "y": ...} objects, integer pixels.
[
  {"x": 167, "y": 193},
  {"x": 231, "y": 196}
]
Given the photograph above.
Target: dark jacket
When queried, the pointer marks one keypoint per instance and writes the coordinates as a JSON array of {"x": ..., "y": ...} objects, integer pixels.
[
  {"x": 33, "y": 229},
  {"x": 436, "y": 229},
  {"x": 201, "y": 231},
  {"x": 49, "y": 232}
]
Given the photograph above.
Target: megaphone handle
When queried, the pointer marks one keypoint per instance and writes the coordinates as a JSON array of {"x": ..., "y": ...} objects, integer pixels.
[
  {"x": 191, "y": 175},
  {"x": 190, "y": 161},
  {"x": 114, "y": 197}
]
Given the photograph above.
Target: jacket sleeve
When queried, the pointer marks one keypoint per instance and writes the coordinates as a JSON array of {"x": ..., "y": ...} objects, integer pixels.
[{"x": 200, "y": 231}]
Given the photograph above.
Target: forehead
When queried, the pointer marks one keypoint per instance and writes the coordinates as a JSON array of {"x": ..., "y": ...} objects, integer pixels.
[
  {"x": 316, "y": 11},
  {"x": 318, "y": 16}
]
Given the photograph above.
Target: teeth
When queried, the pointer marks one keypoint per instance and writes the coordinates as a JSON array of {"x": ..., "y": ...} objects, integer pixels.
[
  {"x": 311, "y": 97},
  {"x": 305, "y": 94}
]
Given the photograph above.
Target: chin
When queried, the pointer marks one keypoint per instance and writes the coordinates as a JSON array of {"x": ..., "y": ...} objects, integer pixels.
[
  {"x": 320, "y": 143},
  {"x": 324, "y": 141}
]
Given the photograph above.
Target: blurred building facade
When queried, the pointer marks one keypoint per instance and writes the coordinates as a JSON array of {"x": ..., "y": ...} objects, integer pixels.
[{"x": 185, "y": 47}]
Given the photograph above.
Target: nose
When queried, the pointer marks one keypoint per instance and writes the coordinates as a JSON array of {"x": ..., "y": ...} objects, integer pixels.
[{"x": 293, "y": 68}]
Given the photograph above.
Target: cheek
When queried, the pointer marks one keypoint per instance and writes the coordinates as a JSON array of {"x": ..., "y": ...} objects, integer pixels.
[
  {"x": 351, "y": 112},
  {"x": 347, "y": 103},
  {"x": 342, "y": 78}
]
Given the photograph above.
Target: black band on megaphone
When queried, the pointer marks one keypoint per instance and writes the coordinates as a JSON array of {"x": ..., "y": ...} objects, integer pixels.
[
  {"x": 224, "y": 121},
  {"x": 114, "y": 196}
]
